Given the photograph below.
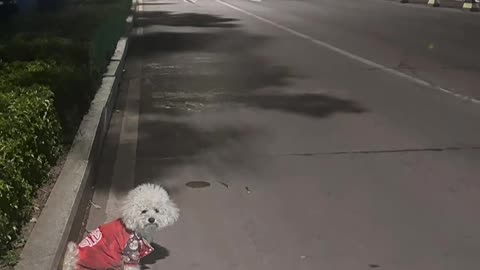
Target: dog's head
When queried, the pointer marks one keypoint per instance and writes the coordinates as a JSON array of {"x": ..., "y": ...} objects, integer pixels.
[{"x": 148, "y": 208}]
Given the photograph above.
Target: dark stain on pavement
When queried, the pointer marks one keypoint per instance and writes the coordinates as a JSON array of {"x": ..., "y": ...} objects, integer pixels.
[
  {"x": 197, "y": 184},
  {"x": 223, "y": 184}
]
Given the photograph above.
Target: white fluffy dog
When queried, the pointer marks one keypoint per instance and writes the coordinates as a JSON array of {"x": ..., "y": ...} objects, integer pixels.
[{"x": 121, "y": 243}]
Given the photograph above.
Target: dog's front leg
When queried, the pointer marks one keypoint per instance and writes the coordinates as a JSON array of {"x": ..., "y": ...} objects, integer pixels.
[{"x": 131, "y": 267}]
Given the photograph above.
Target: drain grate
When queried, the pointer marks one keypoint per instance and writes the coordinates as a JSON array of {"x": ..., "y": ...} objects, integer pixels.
[{"x": 197, "y": 184}]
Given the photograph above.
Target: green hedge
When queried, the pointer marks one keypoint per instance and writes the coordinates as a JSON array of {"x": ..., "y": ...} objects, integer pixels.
[
  {"x": 44, "y": 46},
  {"x": 69, "y": 49},
  {"x": 50, "y": 67},
  {"x": 29, "y": 146},
  {"x": 72, "y": 87}
]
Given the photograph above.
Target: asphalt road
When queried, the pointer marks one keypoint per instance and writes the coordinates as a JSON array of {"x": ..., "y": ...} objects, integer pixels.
[{"x": 334, "y": 134}]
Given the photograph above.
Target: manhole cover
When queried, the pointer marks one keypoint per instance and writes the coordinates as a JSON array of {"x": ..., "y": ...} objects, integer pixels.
[{"x": 197, "y": 184}]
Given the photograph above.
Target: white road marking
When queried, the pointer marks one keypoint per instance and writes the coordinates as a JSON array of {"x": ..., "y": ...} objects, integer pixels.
[
  {"x": 140, "y": 5},
  {"x": 354, "y": 56}
]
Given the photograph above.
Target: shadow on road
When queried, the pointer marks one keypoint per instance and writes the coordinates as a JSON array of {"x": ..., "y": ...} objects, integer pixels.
[
  {"x": 203, "y": 90},
  {"x": 159, "y": 253},
  {"x": 147, "y": 18},
  {"x": 313, "y": 105}
]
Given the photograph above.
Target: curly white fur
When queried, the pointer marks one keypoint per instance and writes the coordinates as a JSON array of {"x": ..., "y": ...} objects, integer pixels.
[
  {"x": 147, "y": 203},
  {"x": 146, "y": 209},
  {"x": 71, "y": 257}
]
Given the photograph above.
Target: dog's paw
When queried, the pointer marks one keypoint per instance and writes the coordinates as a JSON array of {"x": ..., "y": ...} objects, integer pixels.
[{"x": 131, "y": 267}]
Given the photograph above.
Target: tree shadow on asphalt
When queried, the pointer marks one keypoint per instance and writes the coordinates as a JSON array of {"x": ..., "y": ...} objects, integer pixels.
[
  {"x": 232, "y": 41},
  {"x": 216, "y": 69},
  {"x": 313, "y": 105},
  {"x": 155, "y": 4},
  {"x": 148, "y": 18},
  {"x": 169, "y": 139}
]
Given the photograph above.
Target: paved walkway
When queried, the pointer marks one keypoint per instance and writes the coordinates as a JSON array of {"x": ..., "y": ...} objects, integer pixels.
[{"x": 314, "y": 158}]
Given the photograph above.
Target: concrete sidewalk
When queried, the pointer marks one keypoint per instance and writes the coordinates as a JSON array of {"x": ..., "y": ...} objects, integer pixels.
[{"x": 458, "y": 4}]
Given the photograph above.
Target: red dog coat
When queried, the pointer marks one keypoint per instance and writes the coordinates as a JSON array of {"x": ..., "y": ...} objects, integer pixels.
[{"x": 111, "y": 246}]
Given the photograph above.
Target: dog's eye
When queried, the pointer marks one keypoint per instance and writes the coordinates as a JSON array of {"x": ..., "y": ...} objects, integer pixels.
[
  {"x": 156, "y": 210},
  {"x": 144, "y": 211}
]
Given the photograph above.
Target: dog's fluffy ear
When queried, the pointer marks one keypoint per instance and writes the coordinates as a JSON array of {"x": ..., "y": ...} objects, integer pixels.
[
  {"x": 169, "y": 213},
  {"x": 129, "y": 214}
]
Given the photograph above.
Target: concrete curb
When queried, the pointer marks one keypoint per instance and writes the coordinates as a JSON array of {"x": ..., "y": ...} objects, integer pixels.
[
  {"x": 61, "y": 217},
  {"x": 443, "y": 3}
]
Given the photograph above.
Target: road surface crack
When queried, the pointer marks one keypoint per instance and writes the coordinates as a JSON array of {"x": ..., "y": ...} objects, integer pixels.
[{"x": 383, "y": 151}]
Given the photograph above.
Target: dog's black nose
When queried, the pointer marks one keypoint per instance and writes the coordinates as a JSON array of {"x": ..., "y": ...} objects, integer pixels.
[{"x": 151, "y": 220}]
